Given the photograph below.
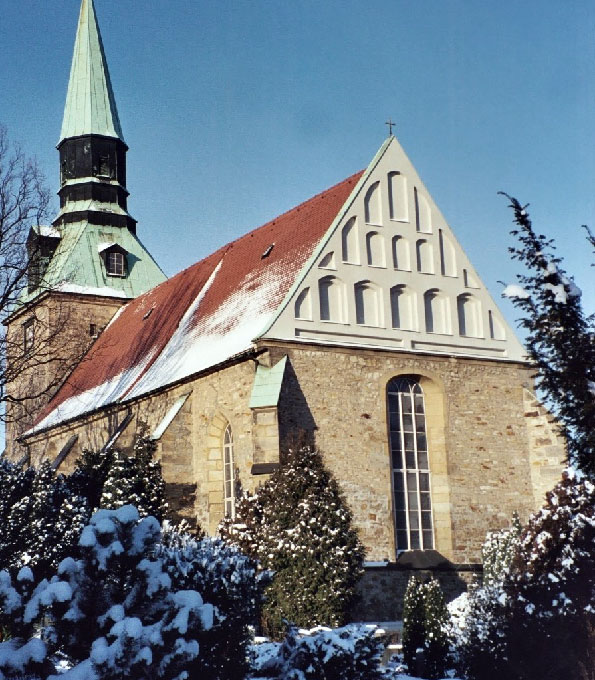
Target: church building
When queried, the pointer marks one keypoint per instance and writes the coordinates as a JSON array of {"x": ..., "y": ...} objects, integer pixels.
[{"x": 356, "y": 316}]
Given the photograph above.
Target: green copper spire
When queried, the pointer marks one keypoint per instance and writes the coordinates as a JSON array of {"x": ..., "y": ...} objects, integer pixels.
[{"x": 90, "y": 103}]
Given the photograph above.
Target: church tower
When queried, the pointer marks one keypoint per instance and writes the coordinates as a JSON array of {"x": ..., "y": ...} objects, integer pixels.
[{"x": 89, "y": 262}]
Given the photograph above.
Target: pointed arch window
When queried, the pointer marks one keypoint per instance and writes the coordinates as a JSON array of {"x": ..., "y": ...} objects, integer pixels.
[
  {"x": 410, "y": 464},
  {"x": 229, "y": 474}
]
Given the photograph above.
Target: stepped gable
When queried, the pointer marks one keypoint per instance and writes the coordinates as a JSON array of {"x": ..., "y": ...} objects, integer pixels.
[{"x": 201, "y": 317}]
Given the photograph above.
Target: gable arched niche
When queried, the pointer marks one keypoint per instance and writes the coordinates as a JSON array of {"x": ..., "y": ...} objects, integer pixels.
[
  {"x": 436, "y": 418},
  {"x": 331, "y": 295},
  {"x": 350, "y": 242}
]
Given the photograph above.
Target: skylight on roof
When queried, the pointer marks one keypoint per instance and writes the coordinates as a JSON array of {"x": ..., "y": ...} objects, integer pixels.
[{"x": 267, "y": 252}]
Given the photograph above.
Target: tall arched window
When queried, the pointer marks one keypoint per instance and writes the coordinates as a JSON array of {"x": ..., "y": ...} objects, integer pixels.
[
  {"x": 410, "y": 465},
  {"x": 229, "y": 474}
]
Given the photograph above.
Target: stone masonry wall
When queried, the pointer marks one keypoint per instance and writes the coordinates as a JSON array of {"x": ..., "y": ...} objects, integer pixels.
[
  {"x": 62, "y": 334},
  {"x": 479, "y": 431},
  {"x": 481, "y": 456}
]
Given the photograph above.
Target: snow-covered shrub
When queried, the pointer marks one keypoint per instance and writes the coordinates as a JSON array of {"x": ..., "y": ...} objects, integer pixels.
[
  {"x": 230, "y": 581},
  {"x": 425, "y": 636},
  {"x": 41, "y": 518},
  {"x": 125, "y": 617},
  {"x": 413, "y": 622},
  {"x": 114, "y": 610},
  {"x": 435, "y": 628},
  {"x": 298, "y": 525},
  {"x": 352, "y": 652},
  {"x": 135, "y": 479},
  {"x": 539, "y": 622},
  {"x": 42, "y": 514},
  {"x": 498, "y": 551}
]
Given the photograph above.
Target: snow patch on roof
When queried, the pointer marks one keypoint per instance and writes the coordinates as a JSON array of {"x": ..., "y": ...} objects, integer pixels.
[
  {"x": 105, "y": 291},
  {"x": 92, "y": 399},
  {"x": 199, "y": 343},
  {"x": 48, "y": 231}
]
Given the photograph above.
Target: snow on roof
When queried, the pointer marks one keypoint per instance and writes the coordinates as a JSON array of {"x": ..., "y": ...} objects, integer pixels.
[
  {"x": 105, "y": 291},
  {"x": 49, "y": 231},
  {"x": 203, "y": 316}
]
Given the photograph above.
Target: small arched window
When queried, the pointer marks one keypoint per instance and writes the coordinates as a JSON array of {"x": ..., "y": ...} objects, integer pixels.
[
  {"x": 448, "y": 260},
  {"x": 410, "y": 464},
  {"x": 401, "y": 258},
  {"x": 229, "y": 474},
  {"x": 423, "y": 213},
  {"x": 425, "y": 257},
  {"x": 397, "y": 195}
]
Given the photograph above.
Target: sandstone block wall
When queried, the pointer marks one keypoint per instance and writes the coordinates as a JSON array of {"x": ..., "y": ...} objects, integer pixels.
[
  {"x": 62, "y": 325},
  {"x": 478, "y": 435},
  {"x": 487, "y": 452}
]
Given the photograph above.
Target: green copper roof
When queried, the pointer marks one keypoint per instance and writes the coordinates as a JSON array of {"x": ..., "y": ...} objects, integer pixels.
[
  {"x": 78, "y": 267},
  {"x": 267, "y": 384},
  {"x": 90, "y": 104}
]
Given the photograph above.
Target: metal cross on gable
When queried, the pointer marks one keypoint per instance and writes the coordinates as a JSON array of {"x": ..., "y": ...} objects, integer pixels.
[{"x": 390, "y": 124}]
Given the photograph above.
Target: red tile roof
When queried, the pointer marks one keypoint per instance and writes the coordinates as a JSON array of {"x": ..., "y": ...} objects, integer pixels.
[{"x": 155, "y": 339}]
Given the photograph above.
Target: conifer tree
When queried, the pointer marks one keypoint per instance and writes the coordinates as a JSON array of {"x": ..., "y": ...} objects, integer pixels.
[
  {"x": 560, "y": 337},
  {"x": 498, "y": 551},
  {"x": 298, "y": 525},
  {"x": 135, "y": 479},
  {"x": 413, "y": 622},
  {"x": 435, "y": 621}
]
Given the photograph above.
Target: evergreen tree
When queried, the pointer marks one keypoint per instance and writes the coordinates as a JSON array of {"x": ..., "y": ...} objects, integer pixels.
[
  {"x": 560, "y": 337},
  {"x": 498, "y": 551},
  {"x": 414, "y": 630},
  {"x": 43, "y": 513},
  {"x": 135, "y": 479},
  {"x": 298, "y": 525},
  {"x": 41, "y": 518},
  {"x": 435, "y": 622}
]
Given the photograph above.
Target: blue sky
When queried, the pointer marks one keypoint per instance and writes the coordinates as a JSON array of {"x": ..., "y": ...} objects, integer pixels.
[{"x": 236, "y": 111}]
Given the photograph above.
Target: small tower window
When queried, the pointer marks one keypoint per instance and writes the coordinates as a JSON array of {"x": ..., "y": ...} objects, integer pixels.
[
  {"x": 28, "y": 336},
  {"x": 116, "y": 264},
  {"x": 104, "y": 166}
]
